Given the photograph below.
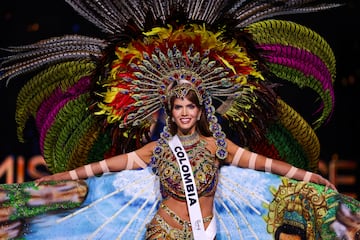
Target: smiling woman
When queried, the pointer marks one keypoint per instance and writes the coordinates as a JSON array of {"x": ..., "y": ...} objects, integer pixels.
[
  {"x": 185, "y": 111},
  {"x": 174, "y": 121}
]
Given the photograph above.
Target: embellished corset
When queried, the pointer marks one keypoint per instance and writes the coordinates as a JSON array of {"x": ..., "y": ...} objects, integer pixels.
[{"x": 204, "y": 167}]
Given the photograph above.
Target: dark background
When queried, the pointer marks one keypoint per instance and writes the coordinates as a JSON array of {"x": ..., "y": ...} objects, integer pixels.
[{"x": 24, "y": 22}]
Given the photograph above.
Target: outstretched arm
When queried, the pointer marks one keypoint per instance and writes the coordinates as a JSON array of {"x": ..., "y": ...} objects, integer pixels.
[
  {"x": 133, "y": 160},
  {"x": 246, "y": 159}
]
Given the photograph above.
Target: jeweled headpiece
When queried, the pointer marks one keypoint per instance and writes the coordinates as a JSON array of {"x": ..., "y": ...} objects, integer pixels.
[
  {"x": 181, "y": 90},
  {"x": 210, "y": 64},
  {"x": 147, "y": 68}
]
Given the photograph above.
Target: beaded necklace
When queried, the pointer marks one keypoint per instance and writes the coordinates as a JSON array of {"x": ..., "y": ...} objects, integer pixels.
[{"x": 189, "y": 140}]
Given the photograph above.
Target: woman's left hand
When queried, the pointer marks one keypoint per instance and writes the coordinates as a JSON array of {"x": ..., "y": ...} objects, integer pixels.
[{"x": 317, "y": 178}]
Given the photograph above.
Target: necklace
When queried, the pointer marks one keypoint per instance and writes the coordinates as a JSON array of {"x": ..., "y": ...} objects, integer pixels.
[{"x": 189, "y": 140}]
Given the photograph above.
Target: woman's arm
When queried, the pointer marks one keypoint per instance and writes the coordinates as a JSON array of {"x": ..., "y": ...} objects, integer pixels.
[
  {"x": 246, "y": 159},
  {"x": 133, "y": 160}
]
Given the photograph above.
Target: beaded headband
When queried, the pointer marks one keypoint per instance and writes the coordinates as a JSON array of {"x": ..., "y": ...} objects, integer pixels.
[{"x": 181, "y": 90}]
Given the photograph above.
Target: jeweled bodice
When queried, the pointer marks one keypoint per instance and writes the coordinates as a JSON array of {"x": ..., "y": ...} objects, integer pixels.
[{"x": 204, "y": 167}]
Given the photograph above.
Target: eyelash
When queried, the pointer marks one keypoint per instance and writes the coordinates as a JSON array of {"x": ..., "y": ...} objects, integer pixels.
[{"x": 190, "y": 106}]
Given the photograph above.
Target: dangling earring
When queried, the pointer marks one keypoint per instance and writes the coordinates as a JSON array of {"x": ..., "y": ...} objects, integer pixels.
[
  {"x": 173, "y": 119},
  {"x": 199, "y": 116}
]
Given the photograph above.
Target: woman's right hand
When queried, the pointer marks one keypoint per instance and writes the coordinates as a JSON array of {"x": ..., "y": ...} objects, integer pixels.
[{"x": 54, "y": 177}]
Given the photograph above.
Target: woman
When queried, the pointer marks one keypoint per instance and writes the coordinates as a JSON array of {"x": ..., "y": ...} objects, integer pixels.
[
  {"x": 172, "y": 220},
  {"x": 94, "y": 98}
]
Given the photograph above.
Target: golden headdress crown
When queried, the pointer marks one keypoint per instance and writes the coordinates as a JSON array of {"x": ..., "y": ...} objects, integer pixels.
[{"x": 181, "y": 89}]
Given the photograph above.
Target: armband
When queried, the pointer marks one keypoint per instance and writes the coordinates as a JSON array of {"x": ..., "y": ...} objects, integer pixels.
[
  {"x": 133, "y": 157},
  {"x": 268, "y": 163},
  {"x": 73, "y": 175},
  {"x": 307, "y": 176},
  {"x": 88, "y": 170},
  {"x": 291, "y": 172},
  {"x": 237, "y": 156},
  {"x": 252, "y": 160},
  {"x": 104, "y": 166}
]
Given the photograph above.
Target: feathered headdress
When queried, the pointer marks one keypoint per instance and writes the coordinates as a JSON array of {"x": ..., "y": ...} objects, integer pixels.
[{"x": 93, "y": 98}]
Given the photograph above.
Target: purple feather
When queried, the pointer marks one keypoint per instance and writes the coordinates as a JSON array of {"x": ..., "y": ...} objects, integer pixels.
[
  {"x": 50, "y": 107},
  {"x": 301, "y": 60}
]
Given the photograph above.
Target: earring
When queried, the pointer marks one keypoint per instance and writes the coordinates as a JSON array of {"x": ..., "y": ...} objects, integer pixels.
[
  {"x": 198, "y": 118},
  {"x": 173, "y": 119}
]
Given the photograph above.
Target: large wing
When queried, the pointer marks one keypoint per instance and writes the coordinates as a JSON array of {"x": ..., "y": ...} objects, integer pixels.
[
  {"x": 113, "y": 206},
  {"x": 57, "y": 95},
  {"x": 253, "y": 205},
  {"x": 248, "y": 205},
  {"x": 305, "y": 60}
]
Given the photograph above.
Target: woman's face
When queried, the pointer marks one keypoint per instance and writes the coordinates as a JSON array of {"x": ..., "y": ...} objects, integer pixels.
[{"x": 185, "y": 114}]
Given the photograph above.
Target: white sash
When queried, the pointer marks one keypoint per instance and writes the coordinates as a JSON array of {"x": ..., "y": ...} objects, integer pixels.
[{"x": 192, "y": 198}]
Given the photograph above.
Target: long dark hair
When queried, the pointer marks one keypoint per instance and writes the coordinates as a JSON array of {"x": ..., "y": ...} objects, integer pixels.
[{"x": 202, "y": 125}]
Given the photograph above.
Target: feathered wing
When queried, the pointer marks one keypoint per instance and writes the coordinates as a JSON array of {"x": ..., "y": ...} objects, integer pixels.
[
  {"x": 297, "y": 54},
  {"x": 253, "y": 205},
  {"x": 248, "y": 205},
  {"x": 117, "y": 206},
  {"x": 21, "y": 202},
  {"x": 305, "y": 60},
  {"x": 58, "y": 96},
  {"x": 113, "y": 206}
]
